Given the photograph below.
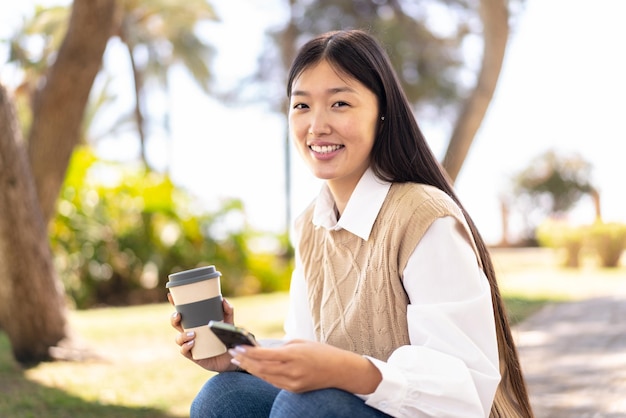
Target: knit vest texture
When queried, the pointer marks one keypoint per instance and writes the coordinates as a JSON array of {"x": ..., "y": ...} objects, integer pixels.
[{"x": 354, "y": 286}]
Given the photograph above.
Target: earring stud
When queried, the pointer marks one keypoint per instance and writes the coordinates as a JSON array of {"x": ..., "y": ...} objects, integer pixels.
[{"x": 382, "y": 118}]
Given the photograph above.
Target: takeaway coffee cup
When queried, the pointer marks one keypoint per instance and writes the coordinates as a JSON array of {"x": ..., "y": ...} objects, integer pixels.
[{"x": 198, "y": 298}]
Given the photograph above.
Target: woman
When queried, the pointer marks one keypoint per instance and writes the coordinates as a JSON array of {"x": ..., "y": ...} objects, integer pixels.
[{"x": 394, "y": 309}]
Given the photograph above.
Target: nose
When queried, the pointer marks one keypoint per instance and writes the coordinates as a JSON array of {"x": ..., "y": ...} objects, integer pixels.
[{"x": 319, "y": 124}]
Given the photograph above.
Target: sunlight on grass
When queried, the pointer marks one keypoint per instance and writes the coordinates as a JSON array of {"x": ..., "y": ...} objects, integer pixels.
[
  {"x": 530, "y": 278},
  {"x": 535, "y": 273},
  {"x": 141, "y": 365},
  {"x": 140, "y": 373}
]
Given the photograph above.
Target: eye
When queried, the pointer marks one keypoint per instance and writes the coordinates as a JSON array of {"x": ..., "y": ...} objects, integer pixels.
[
  {"x": 300, "y": 106},
  {"x": 340, "y": 104}
]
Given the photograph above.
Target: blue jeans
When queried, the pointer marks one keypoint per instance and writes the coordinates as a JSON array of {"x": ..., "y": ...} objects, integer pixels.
[{"x": 241, "y": 395}]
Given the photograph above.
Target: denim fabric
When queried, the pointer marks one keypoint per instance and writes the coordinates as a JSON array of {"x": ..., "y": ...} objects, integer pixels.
[
  {"x": 241, "y": 395},
  {"x": 323, "y": 403},
  {"x": 234, "y": 394}
]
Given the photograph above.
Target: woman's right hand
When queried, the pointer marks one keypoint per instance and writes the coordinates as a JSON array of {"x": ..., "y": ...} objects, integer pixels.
[{"x": 186, "y": 341}]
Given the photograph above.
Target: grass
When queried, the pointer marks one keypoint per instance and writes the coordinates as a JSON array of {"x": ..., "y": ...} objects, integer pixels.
[{"x": 141, "y": 374}]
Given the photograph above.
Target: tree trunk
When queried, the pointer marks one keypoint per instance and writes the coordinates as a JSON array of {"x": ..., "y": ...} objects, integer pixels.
[
  {"x": 31, "y": 309},
  {"x": 138, "y": 84},
  {"x": 60, "y": 105},
  {"x": 595, "y": 196},
  {"x": 32, "y": 305},
  {"x": 504, "y": 213},
  {"x": 495, "y": 18}
]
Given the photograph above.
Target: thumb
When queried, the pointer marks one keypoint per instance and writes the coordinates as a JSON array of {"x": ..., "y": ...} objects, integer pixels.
[{"x": 229, "y": 312}]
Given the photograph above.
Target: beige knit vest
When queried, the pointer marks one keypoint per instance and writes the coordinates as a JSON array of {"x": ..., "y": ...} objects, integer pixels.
[{"x": 354, "y": 286}]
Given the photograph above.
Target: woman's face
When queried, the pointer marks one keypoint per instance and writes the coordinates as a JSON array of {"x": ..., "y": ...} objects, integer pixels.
[{"x": 333, "y": 120}]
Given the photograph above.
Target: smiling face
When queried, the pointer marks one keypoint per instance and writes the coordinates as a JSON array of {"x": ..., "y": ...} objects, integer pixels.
[{"x": 333, "y": 120}]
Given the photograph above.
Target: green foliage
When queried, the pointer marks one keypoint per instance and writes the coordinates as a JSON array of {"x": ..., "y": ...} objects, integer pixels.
[
  {"x": 561, "y": 235},
  {"x": 555, "y": 182},
  {"x": 606, "y": 241},
  {"x": 429, "y": 58},
  {"x": 609, "y": 242},
  {"x": 119, "y": 232},
  {"x": 45, "y": 28},
  {"x": 521, "y": 307},
  {"x": 430, "y": 72},
  {"x": 160, "y": 33},
  {"x": 32, "y": 49},
  {"x": 550, "y": 186}
]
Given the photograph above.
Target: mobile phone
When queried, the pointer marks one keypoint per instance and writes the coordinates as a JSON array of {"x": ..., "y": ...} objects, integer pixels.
[{"x": 231, "y": 335}]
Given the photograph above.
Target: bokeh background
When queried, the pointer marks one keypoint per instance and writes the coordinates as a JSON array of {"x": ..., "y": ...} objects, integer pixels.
[
  {"x": 84, "y": 322},
  {"x": 561, "y": 88}
]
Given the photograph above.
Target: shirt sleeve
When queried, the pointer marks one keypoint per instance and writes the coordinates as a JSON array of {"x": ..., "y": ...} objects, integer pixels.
[
  {"x": 298, "y": 322},
  {"x": 451, "y": 367}
]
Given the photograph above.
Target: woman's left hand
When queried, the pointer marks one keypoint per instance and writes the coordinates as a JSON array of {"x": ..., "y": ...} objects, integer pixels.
[{"x": 300, "y": 366}]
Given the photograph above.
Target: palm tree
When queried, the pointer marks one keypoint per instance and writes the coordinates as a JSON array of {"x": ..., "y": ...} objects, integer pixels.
[
  {"x": 31, "y": 174},
  {"x": 158, "y": 34},
  {"x": 48, "y": 25},
  {"x": 55, "y": 91}
]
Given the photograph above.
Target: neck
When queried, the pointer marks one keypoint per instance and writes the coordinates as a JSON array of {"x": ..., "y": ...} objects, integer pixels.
[
  {"x": 341, "y": 195},
  {"x": 342, "y": 188},
  {"x": 341, "y": 191}
]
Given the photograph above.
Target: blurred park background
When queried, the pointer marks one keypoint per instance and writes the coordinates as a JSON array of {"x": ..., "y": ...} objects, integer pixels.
[{"x": 150, "y": 137}]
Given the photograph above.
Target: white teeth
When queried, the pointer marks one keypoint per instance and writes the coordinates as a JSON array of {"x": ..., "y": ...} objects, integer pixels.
[{"x": 323, "y": 149}]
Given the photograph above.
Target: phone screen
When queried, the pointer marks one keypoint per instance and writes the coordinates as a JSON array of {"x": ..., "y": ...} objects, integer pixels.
[{"x": 231, "y": 335}]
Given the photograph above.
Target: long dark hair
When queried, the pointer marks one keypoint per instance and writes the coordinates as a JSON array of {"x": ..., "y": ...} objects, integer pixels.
[{"x": 401, "y": 154}]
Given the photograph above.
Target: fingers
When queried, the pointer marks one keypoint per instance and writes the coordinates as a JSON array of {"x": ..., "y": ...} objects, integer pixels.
[
  {"x": 175, "y": 321},
  {"x": 260, "y": 353},
  {"x": 255, "y": 356},
  {"x": 175, "y": 318},
  {"x": 295, "y": 341},
  {"x": 229, "y": 311},
  {"x": 185, "y": 338},
  {"x": 186, "y": 341},
  {"x": 280, "y": 373}
]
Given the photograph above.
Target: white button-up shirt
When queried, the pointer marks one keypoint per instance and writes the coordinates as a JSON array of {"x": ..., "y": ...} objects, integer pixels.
[{"x": 450, "y": 369}]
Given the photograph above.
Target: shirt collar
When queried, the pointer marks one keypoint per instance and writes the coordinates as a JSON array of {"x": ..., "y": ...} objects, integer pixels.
[{"x": 362, "y": 208}]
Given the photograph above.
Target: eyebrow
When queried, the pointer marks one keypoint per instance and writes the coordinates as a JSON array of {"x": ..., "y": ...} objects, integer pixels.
[{"x": 331, "y": 91}]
